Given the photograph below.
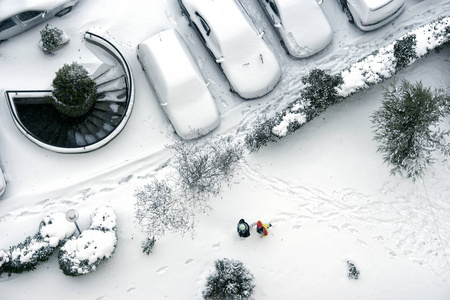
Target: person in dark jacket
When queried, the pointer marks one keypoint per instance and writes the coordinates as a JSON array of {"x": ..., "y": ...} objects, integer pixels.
[{"x": 243, "y": 229}]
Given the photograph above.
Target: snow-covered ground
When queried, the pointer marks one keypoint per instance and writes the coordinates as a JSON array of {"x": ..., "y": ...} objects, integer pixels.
[{"x": 324, "y": 188}]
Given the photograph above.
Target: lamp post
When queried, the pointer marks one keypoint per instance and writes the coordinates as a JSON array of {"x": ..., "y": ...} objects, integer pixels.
[{"x": 72, "y": 216}]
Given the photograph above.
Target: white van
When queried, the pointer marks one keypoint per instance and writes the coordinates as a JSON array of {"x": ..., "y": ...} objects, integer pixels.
[
  {"x": 372, "y": 14},
  {"x": 178, "y": 83}
]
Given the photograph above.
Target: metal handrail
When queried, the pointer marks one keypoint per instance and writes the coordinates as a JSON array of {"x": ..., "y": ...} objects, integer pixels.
[{"x": 102, "y": 42}]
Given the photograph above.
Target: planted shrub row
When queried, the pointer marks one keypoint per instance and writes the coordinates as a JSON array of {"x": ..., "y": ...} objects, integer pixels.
[
  {"x": 323, "y": 90},
  {"x": 78, "y": 255}
]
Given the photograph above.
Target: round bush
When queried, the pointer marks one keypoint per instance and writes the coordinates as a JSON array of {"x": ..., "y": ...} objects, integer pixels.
[
  {"x": 231, "y": 280},
  {"x": 51, "y": 37},
  {"x": 74, "y": 92}
]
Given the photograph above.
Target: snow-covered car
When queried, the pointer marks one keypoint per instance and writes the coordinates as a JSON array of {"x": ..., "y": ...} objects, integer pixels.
[
  {"x": 17, "y": 16},
  {"x": 179, "y": 84},
  {"x": 236, "y": 45},
  {"x": 2, "y": 182},
  {"x": 301, "y": 24},
  {"x": 372, "y": 14}
]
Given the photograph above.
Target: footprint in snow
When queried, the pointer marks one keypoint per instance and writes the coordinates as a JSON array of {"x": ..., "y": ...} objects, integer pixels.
[
  {"x": 126, "y": 179},
  {"x": 189, "y": 261},
  {"x": 131, "y": 290},
  {"x": 216, "y": 246},
  {"x": 162, "y": 270}
]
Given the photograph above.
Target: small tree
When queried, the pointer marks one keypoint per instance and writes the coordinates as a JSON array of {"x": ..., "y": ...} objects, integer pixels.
[
  {"x": 159, "y": 208},
  {"x": 320, "y": 90},
  {"x": 353, "y": 272},
  {"x": 74, "y": 92},
  {"x": 231, "y": 280},
  {"x": 203, "y": 167},
  {"x": 147, "y": 245},
  {"x": 406, "y": 127},
  {"x": 405, "y": 51},
  {"x": 51, "y": 37}
]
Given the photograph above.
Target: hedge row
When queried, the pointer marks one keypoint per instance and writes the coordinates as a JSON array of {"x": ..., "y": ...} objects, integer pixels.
[
  {"x": 78, "y": 255},
  {"x": 323, "y": 90}
]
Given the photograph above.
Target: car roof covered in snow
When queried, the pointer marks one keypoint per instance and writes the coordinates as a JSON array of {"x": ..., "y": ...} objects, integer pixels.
[
  {"x": 305, "y": 21},
  {"x": 178, "y": 83},
  {"x": 374, "y": 10},
  {"x": 249, "y": 64},
  {"x": 9, "y": 8}
]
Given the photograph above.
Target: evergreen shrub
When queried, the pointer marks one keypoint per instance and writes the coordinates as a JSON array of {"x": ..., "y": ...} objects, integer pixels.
[
  {"x": 405, "y": 51},
  {"x": 147, "y": 245},
  {"x": 51, "y": 37},
  {"x": 230, "y": 281},
  {"x": 74, "y": 92},
  {"x": 353, "y": 272},
  {"x": 320, "y": 91},
  {"x": 407, "y": 127},
  {"x": 261, "y": 134},
  {"x": 84, "y": 254},
  {"x": 25, "y": 256}
]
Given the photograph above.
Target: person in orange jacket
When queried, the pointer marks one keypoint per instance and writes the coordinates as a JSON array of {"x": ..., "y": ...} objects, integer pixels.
[{"x": 261, "y": 228}]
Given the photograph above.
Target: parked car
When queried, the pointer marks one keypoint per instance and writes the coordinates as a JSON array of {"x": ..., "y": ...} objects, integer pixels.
[
  {"x": 178, "y": 83},
  {"x": 302, "y": 26},
  {"x": 17, "y": 16},
  {"x": 236, "y": 45},
  {"x": 372, "y": 14},
  {"x": 2, "y": 182}
]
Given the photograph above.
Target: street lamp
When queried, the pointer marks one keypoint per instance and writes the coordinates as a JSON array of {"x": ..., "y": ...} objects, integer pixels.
[{"x": 72, "y": 216}]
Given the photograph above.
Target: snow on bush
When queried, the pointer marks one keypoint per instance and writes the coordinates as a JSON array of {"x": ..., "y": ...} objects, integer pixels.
[
  {"x": 52, "y": 38},
  {"x": 53, "y": 230},
  {"x": 373, "y": 69},
  {"x": 407, "y": 127},
  {"x": 382, "y": 64},
  {"x": 230, "y": 280},
  {"x": 84, "y": 254}
]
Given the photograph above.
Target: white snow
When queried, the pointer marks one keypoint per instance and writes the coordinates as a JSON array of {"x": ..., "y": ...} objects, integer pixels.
[
  {"x": 325, "y": 189},
  {"x": 304, "y": 27},
  {"x": 56, "y": 229}
]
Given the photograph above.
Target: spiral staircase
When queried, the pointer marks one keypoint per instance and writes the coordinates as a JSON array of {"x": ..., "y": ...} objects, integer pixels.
[{"x": 37, "y": 118}]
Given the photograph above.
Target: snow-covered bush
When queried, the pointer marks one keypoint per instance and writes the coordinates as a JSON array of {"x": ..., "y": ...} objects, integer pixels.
[
  {"x": 405, "y": 51},
  {"x": 203, "y": 167},
  {"x": 25, "y": 256},
  {"x": 368, "y": 71},
  {"x": 230, "y": 280},
  {"x": 84, "y": 254},
  {"x": 160, "y": 207},
  {"x": 353, "y": 272},
  {"x": 320, "y": 90},
  {"x": 51, "y": 38},
  {"x": 406, "y": 127},
  {"x": 74, "y": 92}
]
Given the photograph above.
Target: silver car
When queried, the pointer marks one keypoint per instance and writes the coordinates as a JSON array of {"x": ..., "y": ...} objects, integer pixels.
[{"x": 17, "y": 16}]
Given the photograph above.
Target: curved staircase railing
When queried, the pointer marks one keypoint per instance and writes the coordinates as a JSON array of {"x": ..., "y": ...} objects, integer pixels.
[{"x": 40, "y": 122}]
